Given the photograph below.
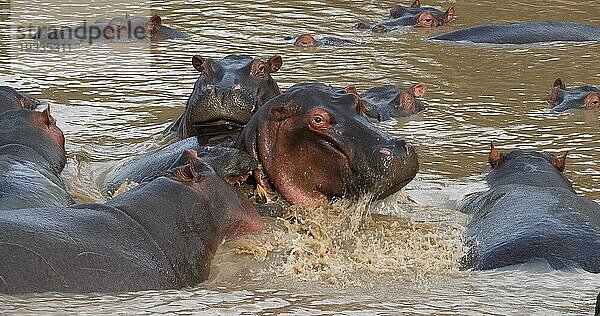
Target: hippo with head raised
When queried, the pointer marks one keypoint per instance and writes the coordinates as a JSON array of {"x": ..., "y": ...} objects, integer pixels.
[
  {"x": 313, "y": 144},
  {"x": 159, "y": 235},
  {"x": 11, "y": 99},
  {"x": 415, "y": 16},
  {"x": 386, "y": 102},
  {"x": 531, "y": 211},
  {"x": 32, "y": 156},
  {"x": 524, "y": 33},
  {"x": 583, "y": 97},
  {"x": 225, "y": 96}
]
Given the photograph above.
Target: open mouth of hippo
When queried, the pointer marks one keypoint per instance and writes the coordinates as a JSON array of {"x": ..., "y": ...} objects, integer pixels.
[{"x": 216, "y": 127}]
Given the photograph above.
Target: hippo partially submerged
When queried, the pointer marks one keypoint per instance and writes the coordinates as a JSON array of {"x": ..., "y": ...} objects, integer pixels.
[
  {"x": 314, "y": 144},
  {"x": 307, "y": 40},
  {"x": 531, "y": 211},
  {"x": 386, "y": 102},
  {"x": 583, "y": 97},
  {"x": 160, "y": 235},
  {"x": 524, "y": 33},
  {"x": 226, "y": 94},
  {"x": 415, "y": 16},
  {"x": 32, "y": 156}
]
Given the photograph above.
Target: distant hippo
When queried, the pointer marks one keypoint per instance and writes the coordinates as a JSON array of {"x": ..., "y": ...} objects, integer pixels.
[
  {"x": 32, "y": 156},
  {"x": 524, "y": 33},
  {"x": 225, "y": 96},
  {"x": 119, "y": 29},
  {"x": 562, "y": 99},
  {"x": 314, "y": 144},
  {"x": 11, "y": 99},
  {"x": 386, "y": 102},
  {"x": 230, "y": 164},
  {"x": 160, "y": 235},
  {"x": 415, "y": 16},
  {"x": 307, "y": 40},
  {"x": 531, "y": 211}
]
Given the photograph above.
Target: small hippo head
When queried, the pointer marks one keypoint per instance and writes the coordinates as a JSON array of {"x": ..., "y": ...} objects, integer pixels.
[
  {"x": 314, "y": 144},
  {"x": 231, "y": 213},
  {"x": 416, "y": 16},
  {"x": 562, "y": 99},
  {"x": 387, "y": 102},
  {"x": 227, "y": 93},
  {"x": 526, "y": 167},
  {"x": 305, "y": 40},
  {"x": 120, "y": 28},
  {"x": 10, "y": 99},
  {"x": 36, "y": 130}
]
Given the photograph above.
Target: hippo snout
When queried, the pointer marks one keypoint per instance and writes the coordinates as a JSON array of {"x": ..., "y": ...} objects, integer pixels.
[
  {"x": 397, "y": 148},
  {"x": 395, "y": 164}
]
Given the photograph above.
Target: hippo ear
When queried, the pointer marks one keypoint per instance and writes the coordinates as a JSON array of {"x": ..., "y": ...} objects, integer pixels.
[
  {"x": 280, "y": 113},
  {"x": 419, "y": 90},
  {"x": 495, "y": 158},
  {"x": 558, "y": 83},
  {"x": 46, "y": 117},
  {"x": 127, "y": 16},
  {"x": 350, "y": 89},
  {"x": 275, "y": 63},
  {"x": 186, "y": 173},
  {"x": 559, "y": 162},
  {"x": 197, "y": 62},
  {"x": 448, "y": 16},
  {"x": 416, "y": 4},
  {"x": 155, "y": 22},
  {"x": 395, "y": 11}
]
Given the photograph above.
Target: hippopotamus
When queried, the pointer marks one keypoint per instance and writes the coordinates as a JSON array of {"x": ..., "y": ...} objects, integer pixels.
[
  {"x": 524, "y": 33},
  {"x": 226, "y": 95},
  {"x": 389, "y": 101},
  {"x": 32, "y": 156},
  {"x": 531, "y": 211},
  {"x": 416, "y": 16},
  {"x": 159, "y": 235},
  {"x": 314, "y": 145},
  {"x": 11, "y": 99},
  {"x": 118, "y": 29},
  {"x": 562, "y": 99},
  {"x": 307, "y": 40},
  {"x": 231, "y": 164}
]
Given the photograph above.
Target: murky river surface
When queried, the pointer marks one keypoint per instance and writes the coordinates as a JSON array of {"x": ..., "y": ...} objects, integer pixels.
[{"x": 112, "y": 100}]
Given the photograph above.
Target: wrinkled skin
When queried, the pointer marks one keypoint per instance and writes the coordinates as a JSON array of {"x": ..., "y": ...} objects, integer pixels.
[
  {"x": 160, "y": 235},
  {"x": 307, "y": 40},
  {"x": 32, "y": 156},
  {"x": 11, "y": 99},
  {"x": 415, "y": 16},
  {"x": 127, "y": 29},
  {"x": 225, "y": 96},
  {"x": 524, "y": 33},
  {"x": 563, "y": 99},
  {"x": 386, "y": 102},
  {"x": 314, "y": 144},
  {"x": 230, "y": 164},
  {"x": 531, "y": 211}
]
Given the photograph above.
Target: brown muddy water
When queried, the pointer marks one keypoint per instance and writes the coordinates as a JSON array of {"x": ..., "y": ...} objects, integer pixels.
[{"x": 112, "y": 101}]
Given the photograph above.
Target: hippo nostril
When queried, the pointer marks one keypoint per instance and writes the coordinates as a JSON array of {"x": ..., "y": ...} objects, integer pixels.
[
  {"x": 385, "y": 152},
  {"x": 236, "y": 87},
  {"x": 210, "y": 87}
]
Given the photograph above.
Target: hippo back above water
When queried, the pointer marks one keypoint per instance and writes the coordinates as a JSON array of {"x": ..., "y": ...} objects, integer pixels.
[
  {"x": 562, "y": 98},
  {"x": 524, "y": 33},
  {"x": 314, "y": 144}
]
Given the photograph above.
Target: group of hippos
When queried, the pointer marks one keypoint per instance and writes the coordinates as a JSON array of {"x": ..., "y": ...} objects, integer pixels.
[{"x": 244, "y": 147}]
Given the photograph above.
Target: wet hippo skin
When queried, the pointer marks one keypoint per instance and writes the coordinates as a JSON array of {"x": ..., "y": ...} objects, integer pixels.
[
  {"x": 307, "y": 40},
  {"x": 531, "y": 211},
  {"x": 32, "y": 156},
  {"x": 416, "y": 16},
  {"x": 524, "y": 33},
  {"x": 386, "y": 102},
  {"x": 160, "y": 235},
  {"x": 11, "y": 99},
  {"x": 313, "y": 144},
  {"x": 563, "y": 99}
]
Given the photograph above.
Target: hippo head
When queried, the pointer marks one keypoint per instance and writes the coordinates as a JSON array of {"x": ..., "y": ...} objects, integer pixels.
[
  {"x": 387, "y": 102},
  {"x": 227, "y": 93},
  {"x": 562, "y": 99},
  {"x": 527, "y": 168},
  {"x": 306, "y": 40},
  {"x": 416, "y": 16},
  {"x": 231, "y": 213},
  {"x": 11, "y": 99},
  {"x": 314, "y": 144},
  {"x": 36, "y": 130}
]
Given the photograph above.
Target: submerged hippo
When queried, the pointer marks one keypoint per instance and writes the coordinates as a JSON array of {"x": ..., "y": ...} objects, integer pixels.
[
  {"x": 226, "y": 94},
  {"x": 562, "y": 99},
  {"x": 314, "y": 144},
  {"x": 524, "y": 33},
  {"x": 307, "y": 40},
  {"x": 416, "y": 16},
  {"x": 531, "y": 211},
  {"x": 160, "y": 235},
  {"x": 11, "y": 99},
  {"x": 118, "y": 29},
  {"x": 230, "y": 164},
  {"x": 386, "y": 102},
  {"x": 32, "y": 156}
]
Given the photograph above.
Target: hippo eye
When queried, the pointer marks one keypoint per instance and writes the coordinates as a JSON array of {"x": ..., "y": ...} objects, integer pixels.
[
  {"x": 319, "y": 122},
  {"x": 318, "y": 119}
]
